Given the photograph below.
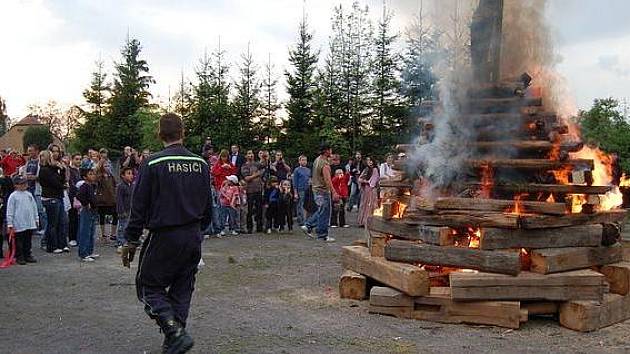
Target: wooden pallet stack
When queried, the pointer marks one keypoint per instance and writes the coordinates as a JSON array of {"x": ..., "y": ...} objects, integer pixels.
[{"x": 507, "y": 243}]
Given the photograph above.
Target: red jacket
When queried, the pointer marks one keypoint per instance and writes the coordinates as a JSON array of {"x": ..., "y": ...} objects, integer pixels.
[
  {"x": 11, "y": 164},
  {"x": 341, "y": 184},
  {"x": 219, "y": 173}
]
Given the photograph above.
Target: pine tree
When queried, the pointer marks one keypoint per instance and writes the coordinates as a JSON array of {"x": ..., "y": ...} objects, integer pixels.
[
  {"x": 388, "y": 112},
  {"x": 247, "y": 105},
  {"x": 183, "y": 98},
  {"x": 300, "y": 82},
  {"x": 129, "y": 94},
  {"x": 268, "y": 128}
]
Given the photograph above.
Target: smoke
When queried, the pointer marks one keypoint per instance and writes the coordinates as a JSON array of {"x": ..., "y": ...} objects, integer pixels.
[{"x": 527, "y": 47}]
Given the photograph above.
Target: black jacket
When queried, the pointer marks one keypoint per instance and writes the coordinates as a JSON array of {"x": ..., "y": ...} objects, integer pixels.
[
  {"x": 53, "y": 180},
  {"x": 172, "y": 190}
]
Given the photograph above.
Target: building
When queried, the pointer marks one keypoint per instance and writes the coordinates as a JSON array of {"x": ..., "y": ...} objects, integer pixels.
[{"x": 13, "y": 138}]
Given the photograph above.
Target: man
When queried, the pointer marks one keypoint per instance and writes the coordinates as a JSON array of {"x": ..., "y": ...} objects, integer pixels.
[
  {"x": 11, "y": 163},
  {"x": 172, "y": 200},
  {"x": 31, "y": 173},
  {"x": 236, "y": 158},
  {"x": 129, "y": 158},
  {"x": 280, "y": 168},
  {"x": 301, "y": 181},
  {"x": 322, "y": 190},
  {"x": 355, "y": 171},
  {"x": 252, "y": 172}
]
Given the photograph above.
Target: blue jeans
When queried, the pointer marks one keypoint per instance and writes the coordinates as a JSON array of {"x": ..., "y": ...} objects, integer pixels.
[
  {"x": 55, "y": 239},
  {"x": 300, "y": 207},
  {"x": 43, "y": 220},
  {"x": 321, "y": 218},
  {"x": 216, "y": 224},
  {"x": 123, "y": 220},
  {"x": 355, "y": 196},
  {"x": 230, "y": 218},
  {"x": 87, "y": 226}
]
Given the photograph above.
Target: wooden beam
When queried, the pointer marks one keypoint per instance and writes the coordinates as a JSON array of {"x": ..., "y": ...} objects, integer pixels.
[
  {"x": 618, "y": 276},
  {"x": 532, "y": 164},
  {"x": 352, "y": 285},
  {"x": 468, "y": 218},
  {"x": 409, "y": 279},
  {"x": 576, "y": 236},
  {"x": 537, "y": 145},
  {"x": 555, "y": 260},
  {"x": 548, "y": 188},
  {"x": 377, "y": 244},
  {"x": 396, "y": 184},
  {"x": 499, "y": 205},
  {"x": 457, "y": 257},
  {"x": 587, "y": 316},
  {"x": 394, "y": 227},
  {"x": 540, "y": 307},
  {"x": 545, "y": 221},
  {"x": 575, "y": 285},
  {"x": 436, "y": 235},
  {"x": 438, "y": 307}
]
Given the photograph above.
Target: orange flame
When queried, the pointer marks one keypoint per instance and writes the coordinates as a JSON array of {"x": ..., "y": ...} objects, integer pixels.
[
  {"x": 487, "y": 181},
  {"x": 603, "y": 172},
  {"x": 551, "y": 199},
  {"x": 517, "y": 208},
  {"x": 625, "y": 181},
  {"x": 576, "y": 201}
]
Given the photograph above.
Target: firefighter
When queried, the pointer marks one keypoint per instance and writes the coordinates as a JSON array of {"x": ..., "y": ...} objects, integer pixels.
[{"x": 171, "y": 200}]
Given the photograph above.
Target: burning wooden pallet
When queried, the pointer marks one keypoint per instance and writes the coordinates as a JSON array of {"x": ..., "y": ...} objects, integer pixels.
[{"x": 534, "y": 231}]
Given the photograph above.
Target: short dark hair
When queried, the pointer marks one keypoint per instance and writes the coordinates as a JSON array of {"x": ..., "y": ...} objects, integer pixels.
[
  {"x": 75, "y": 155},
  {"x": 323, "y": 147},
  {"x": 171, "y": 127},
  {"x": 125, "y": 169},
  {"x": 34, "y": 146}
]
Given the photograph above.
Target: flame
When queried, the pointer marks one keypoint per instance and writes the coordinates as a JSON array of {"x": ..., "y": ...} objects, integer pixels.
[
  {"x": 378, "y": 212},
  {"x": 611, "y": 200},
  {"x": 551, "y": 199},
  {"x": 487, "y": 181},
  {"x": 576, "y": 201},
  {"x": 474, "y": 237},
  {"x": 603, "y": 172},
  {"x": 400, "y": 210},
  {"x": 625, "y": 181},
  {"x": 517, "y": 208}
]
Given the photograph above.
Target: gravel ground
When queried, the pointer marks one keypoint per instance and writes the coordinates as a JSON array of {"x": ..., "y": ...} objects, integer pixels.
[{"x": 257, "y": 294}]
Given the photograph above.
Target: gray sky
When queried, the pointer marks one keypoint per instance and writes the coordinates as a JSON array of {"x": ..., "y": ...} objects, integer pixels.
[{"x": 49, "y": 47}]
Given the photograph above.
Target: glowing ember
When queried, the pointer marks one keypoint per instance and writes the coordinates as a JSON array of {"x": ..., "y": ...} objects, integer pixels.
[
  {"x": 474, "y": 237},
  {"x": 400, "y": 210},
  {"x": 378, "y": 212},
  {"x": 576, "y": 201},
  {"x": 551, "y": 199}
]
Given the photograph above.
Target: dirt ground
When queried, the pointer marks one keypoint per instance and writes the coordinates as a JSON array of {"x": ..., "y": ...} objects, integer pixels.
[{"x": 257, "y": 294}]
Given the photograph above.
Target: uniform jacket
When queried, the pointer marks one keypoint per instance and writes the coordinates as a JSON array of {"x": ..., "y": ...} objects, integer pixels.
[{"x": 172, "y": 190}]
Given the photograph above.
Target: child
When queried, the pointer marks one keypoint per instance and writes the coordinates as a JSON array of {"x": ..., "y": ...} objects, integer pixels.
[
  {"x": 230, "y": 199},
  {"x": 123, "y": 205},
  {"x": 272, "y": 204},
  {"x": 22, "y": 219},
  {"x": 88, "y": 216},
  {"x": 285, "y": 211},
  {"x": 340, "y": 183}
]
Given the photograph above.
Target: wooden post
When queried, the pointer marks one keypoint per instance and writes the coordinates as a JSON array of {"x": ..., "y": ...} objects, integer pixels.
[
  {"x": 586, "y": 316},
  {"x": 618, "y": 276},
  {"x": 555, "y": 260},
  {"x": 353, "y": 286},
  {"x": 576, "y": 236}
]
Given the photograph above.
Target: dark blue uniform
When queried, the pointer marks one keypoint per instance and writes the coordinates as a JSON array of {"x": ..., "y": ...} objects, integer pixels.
[{"x": 171, "y": 199}]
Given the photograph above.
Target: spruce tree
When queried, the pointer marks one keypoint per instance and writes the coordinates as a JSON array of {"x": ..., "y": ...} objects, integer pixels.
[
  {"x": 222, "y": 119},
  {"x": 92, "y": 131},
  {"x": 201, "y": 111},
  {"x": 130, "y": 93},
  {"x": 4, "y": 118},
  {"x": 388, "y": 116},
  {"x": 247, "y": 105},
  {"x": 268, "y": 128},
  {"x": 301, "y": 84}
]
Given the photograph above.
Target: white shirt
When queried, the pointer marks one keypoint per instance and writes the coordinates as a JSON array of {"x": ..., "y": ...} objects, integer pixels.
[{"x": 386, "y": 171}]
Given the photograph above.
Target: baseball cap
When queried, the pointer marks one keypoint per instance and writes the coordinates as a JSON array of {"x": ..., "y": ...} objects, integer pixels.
[
  {"x": 18, "y": 179},
  {"x": 232, "y": 179}
]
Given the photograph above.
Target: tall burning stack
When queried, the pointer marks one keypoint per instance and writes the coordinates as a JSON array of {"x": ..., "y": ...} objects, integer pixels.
[{"x": 499, "y": 213}]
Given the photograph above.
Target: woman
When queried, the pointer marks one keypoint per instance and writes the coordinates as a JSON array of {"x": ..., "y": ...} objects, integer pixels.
[
  {"x": 106, "y": 197},
  {"x": 368, "y": 182},
  {"x": 222, "y": 169},
  {"x": 52, "y": 178}
]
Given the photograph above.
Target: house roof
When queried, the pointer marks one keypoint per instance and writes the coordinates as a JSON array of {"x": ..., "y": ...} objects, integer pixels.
[{"x": 29, "y": 120}]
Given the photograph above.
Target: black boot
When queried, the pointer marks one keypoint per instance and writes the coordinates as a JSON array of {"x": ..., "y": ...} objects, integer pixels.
[{"x": 176, "y": 340}]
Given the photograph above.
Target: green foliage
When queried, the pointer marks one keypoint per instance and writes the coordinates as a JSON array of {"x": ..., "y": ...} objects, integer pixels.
[
  {"x": 247, "y": 105},
  {"x": 39, "y": 135},
  {"x": 605, "y": 125},
  {"x": 149, "y": 121},
  {"x": 130, "y": 92},
  {"x": 267, "y": 130}
]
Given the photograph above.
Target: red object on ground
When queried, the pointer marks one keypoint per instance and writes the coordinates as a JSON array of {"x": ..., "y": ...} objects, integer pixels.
[{"x": 9, "y": 258}]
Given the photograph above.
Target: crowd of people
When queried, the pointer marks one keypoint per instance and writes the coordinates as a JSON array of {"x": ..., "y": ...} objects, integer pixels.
[{"x": 64, "y": 199}]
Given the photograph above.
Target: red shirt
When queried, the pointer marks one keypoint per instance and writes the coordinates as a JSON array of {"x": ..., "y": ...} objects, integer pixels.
[
  {"x": 220, "y": 173},
  {"x": 340, "y": 183},
  {"x": 11, "y": 164}
]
